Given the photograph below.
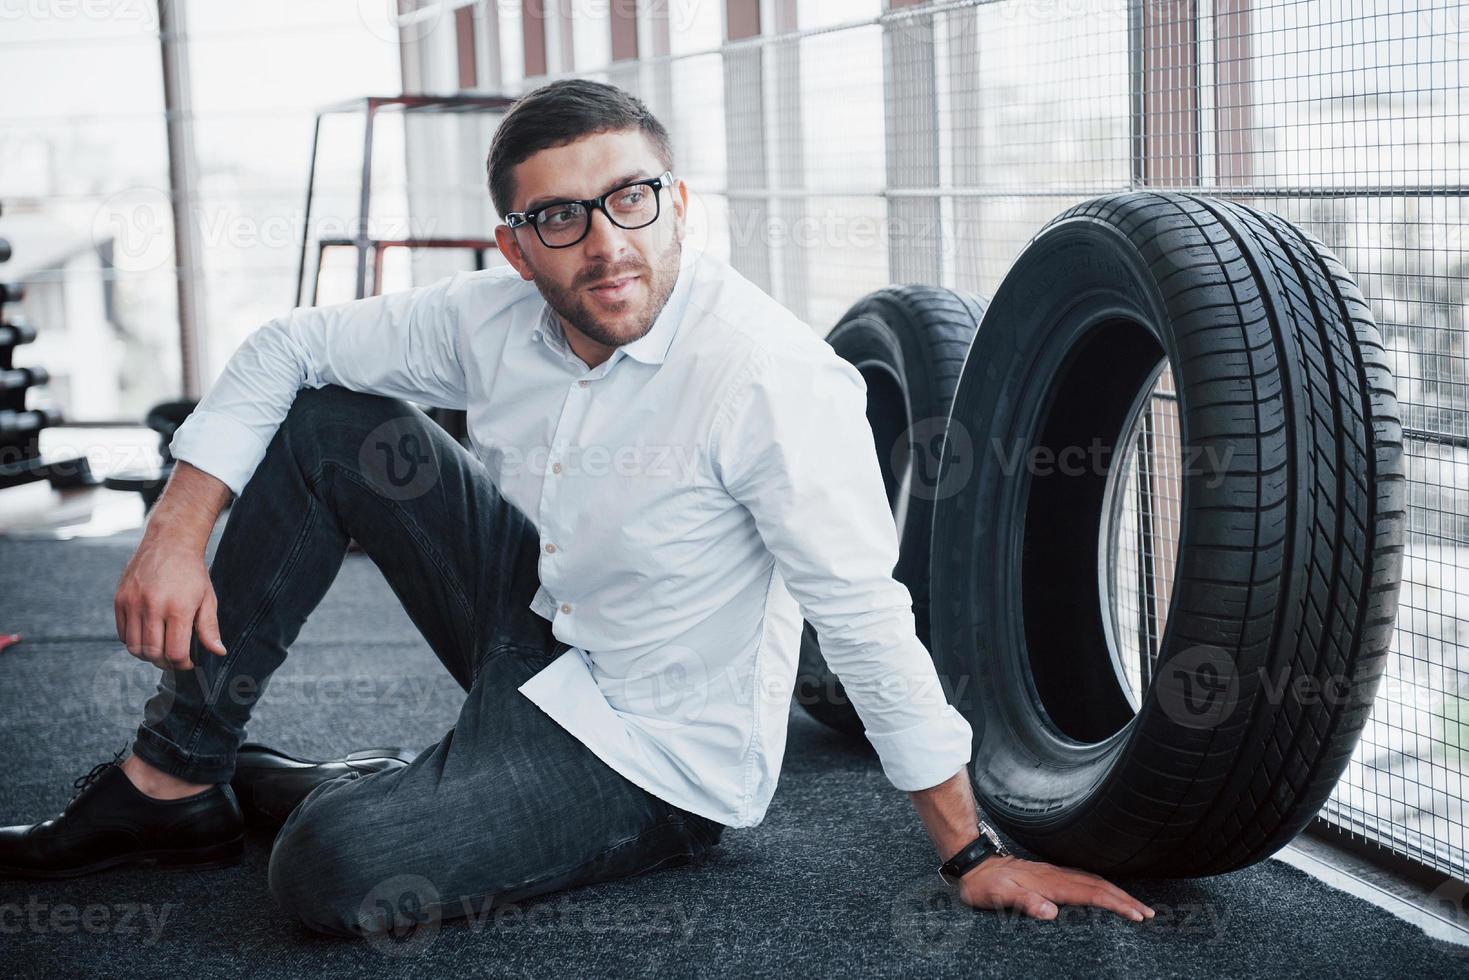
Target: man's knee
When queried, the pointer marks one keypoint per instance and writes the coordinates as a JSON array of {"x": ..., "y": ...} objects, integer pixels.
[
  {"x": 315, "y": 411},
  {"x": 333, "y": 423},
  {"x": 321, "y": 871}
]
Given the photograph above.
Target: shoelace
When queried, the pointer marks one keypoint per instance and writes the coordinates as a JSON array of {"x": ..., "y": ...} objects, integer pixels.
[{"x": 82, "y": 782}]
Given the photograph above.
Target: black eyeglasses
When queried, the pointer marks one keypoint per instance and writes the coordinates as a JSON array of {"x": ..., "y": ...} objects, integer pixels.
[{"x": 562, "y": 224}]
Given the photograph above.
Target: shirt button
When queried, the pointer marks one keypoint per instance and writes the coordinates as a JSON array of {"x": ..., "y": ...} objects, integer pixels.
[
  {"x": 584, "y": 382},
  {"x": 555, "y": 467},
  {"x": 550, "y": 549},
  {"x": 566, "y": 607}
]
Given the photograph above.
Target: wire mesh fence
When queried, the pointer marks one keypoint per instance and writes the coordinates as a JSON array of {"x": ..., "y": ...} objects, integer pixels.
[{"x": 1139, "y": 535}]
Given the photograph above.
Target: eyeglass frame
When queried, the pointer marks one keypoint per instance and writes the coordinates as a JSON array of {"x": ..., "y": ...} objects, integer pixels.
[{"x": 519, "y": 219}]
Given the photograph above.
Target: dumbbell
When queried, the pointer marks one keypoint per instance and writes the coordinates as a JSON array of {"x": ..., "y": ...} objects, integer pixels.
[
  {"x": 12, "y": 292},
  {"x": 163, "y": 418},
  {"x": 4, "y": 250},
  {"x": 15, "y": 424},
  {"x": 14, "y": 334},
  {"x": 15, "y": 379}
]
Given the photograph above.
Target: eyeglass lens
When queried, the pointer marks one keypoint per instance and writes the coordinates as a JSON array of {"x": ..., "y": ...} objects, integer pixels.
[{"x": 631, "y": 207}]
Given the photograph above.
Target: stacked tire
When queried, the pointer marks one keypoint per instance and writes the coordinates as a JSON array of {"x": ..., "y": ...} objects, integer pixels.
[{"x": 909, "y": 343}]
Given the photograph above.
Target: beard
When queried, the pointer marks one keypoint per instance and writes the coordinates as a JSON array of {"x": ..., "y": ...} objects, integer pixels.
[{"x": 573, "y": 305}]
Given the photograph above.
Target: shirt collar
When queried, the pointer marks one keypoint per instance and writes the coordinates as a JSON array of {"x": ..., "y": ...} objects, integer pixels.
[
  {"x": 548, "y": 328},
  {"x": 651, "y": 347}
]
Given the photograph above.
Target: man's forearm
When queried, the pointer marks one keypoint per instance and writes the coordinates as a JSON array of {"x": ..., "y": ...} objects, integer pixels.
[
  {"x": 188, "y": 508},
  {"x": 949, "y": 813}
]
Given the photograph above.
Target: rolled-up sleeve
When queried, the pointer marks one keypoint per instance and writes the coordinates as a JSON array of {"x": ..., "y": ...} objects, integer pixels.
[
  {"x": 793, "y": 445},
  {"x": 403, "y": 345}
]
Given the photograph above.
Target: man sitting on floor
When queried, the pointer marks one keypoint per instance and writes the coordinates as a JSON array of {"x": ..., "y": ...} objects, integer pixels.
[{"x": 671, "y": 471}]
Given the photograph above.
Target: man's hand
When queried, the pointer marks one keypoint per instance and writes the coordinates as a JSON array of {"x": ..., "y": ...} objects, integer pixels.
[
  {"x": 1003, "y": 881},
  {"x": 165, "y": 593},
  {"x": 1036, "y": 888}
]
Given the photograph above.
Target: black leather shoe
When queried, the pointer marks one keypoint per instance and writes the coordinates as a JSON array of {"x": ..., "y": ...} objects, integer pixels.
[
  {"x": 110, "y": 822},
  {"x": 270, "y": 784}
]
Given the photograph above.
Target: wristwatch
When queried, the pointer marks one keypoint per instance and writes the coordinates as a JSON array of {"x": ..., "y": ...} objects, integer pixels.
[{"x": 988, "y": 842}]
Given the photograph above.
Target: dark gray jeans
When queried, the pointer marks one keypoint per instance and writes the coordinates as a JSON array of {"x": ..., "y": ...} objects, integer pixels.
[{"x": 508, "y": 804}]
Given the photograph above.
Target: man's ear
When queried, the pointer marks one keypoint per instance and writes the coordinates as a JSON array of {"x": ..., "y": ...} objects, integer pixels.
[{"x": 510, "y": 248}]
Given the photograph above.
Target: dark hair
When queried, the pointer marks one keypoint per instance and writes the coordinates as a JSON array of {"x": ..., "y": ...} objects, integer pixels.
[{"x": 562, "y": 112}]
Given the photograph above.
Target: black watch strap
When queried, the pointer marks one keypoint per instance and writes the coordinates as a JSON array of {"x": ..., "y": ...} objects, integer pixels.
[{"x": 987, "y": 843}]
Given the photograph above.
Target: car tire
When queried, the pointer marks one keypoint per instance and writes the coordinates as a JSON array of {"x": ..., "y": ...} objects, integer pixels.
[
  {"x": 909, "y": 343},
  {"x": 1274, "y": 622}
]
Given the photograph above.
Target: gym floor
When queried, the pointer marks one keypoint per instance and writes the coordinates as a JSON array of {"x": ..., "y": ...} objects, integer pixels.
[{"x": 840, "y": 867}]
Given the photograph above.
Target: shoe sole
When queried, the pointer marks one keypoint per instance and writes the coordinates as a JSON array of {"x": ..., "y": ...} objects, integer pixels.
[
  {"x": 392, "y": 752},
  {"x": 193, "y": 859}
]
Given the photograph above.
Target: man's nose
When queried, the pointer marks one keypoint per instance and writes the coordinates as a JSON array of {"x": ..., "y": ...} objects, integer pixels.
[{"x": 604, "y": 239}]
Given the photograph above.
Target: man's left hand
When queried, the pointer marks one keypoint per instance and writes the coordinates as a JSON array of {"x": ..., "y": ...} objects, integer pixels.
[{"x": 1036, "y": 888}]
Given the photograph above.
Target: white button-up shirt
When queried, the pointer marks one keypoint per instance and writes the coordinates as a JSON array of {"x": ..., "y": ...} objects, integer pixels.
[{"x": 696, "y": 495}]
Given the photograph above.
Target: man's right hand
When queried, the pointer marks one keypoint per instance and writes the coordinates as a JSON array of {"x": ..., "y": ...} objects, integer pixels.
[{"x": 165, "y": 593}]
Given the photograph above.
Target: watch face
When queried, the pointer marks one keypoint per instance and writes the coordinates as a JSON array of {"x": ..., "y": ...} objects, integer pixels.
[{"x": 996, "y": 844}]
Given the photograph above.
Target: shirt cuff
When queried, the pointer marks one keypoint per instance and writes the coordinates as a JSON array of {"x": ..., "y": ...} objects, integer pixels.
[
  {"x": 220, "y": 445},
  {"x": 926, "y": 754}
]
